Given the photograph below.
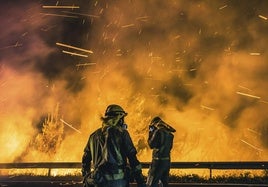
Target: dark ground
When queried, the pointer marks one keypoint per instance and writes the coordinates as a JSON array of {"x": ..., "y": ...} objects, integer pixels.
[{"x": 76, "y": 181}]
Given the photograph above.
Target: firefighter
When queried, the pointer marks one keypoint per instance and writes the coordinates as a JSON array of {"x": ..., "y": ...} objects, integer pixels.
[
  {"x": 110, "y": 156},
  {"x": 161, "y": 141}
]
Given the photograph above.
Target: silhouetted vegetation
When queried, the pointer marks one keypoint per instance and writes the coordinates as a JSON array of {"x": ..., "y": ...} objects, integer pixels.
[{"x": 246, "y": 178}]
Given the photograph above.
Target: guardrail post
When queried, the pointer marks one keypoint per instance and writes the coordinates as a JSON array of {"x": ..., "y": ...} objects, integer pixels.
[{"x": 49, "y": 172}]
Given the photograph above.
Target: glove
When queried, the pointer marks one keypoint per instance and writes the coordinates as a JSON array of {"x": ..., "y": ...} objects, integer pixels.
[{"x": 139, "y": 178}]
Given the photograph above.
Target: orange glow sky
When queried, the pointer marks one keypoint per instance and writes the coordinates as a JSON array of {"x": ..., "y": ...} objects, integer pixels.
[{"x": 201, "y": 65}]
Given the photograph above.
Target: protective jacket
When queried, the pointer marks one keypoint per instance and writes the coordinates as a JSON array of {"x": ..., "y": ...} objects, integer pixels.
[
  {"x": 114, "y": 159},
  {"x": 161, "y": 141}
]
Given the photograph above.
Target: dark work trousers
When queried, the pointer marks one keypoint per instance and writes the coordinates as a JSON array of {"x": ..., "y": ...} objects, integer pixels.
[{"x": 158, "y": 171}]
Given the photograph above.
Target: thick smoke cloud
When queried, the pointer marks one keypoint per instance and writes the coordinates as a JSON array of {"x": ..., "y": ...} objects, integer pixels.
[{"x": 201, "y": 65}]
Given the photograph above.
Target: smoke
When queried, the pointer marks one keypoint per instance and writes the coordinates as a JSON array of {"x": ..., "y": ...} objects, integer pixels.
[{"x": 200, "y": 65}]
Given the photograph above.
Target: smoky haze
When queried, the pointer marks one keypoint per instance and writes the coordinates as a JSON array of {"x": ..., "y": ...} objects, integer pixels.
[{"x": 200, "y": 65}]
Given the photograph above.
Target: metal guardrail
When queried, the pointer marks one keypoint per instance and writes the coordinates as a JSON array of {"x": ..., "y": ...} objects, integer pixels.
[{"x": 174, "y": 165}]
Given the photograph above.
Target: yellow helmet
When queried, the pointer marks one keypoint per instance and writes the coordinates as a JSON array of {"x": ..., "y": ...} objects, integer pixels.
[
  {"x": 114, "y": 110},
  {"x": 158, "y": 122}
]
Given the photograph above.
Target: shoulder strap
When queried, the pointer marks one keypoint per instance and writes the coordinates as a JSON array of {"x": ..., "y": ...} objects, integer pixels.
[{"x": 96, "y": 146}]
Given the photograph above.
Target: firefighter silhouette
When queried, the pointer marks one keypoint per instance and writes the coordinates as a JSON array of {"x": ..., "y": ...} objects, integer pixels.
[
  {"x": 109, "y": 157},
  {"x": 161, "y": 141}
]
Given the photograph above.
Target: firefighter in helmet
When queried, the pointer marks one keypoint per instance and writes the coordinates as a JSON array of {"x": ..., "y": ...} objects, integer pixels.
[
  {"x": 110, "y": 153},
  {"x": 161, "y": 141}
]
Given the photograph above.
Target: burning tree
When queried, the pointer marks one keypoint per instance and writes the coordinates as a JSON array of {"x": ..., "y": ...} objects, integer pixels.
[
  {"x": 49, "y": 140},
  {"x": 45, "y": 144}
]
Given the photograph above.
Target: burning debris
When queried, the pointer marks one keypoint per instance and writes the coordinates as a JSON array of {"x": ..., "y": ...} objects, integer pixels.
[
  {"x": 75, "y": 54},
  {"x": 58, "y": 15},
  {"x": 252, "y": 146},
  {"x": 73, "y": 47},
  {"x": 206, "y": 107},
  {"x": 80, "y": 14},
  {"x": 85, "y": 64},
  {"x": 255, "y": 54},
  {"x": 222, "y": 7},
  {"x": 263, "y": 17},
  {"x": 69, "y": 125},
  {"x": 60, "y": 7},
  {"x": 248, "y": 95},
  {"x": 17, "y": 44}
]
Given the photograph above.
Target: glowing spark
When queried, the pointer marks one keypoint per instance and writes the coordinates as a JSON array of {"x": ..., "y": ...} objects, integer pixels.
[
  {"x": 150, "y": 78},
  {"x": 17, "y": 44},
  {"x": 70, "y": 126},
  {"x": 85, "y": 64},
  {"x": 88, "y": 15},
  {"x": 223, "y": 7},
  {"x": 254, "y": 147},
  {"x": 208, "y": 108},
  {"x": 255, "y": 132},
  {"x": 255, "y": 54},
  {"x": 193, "y": 69},
  {"x": 59, "y": 15},
  {"x": 130, "y": 25},
  {"x": 248, "y": 95},
  {"x": 76, "y": 54},
  {"x": 67, "y": 7},
  {"x": 266, "y": 102},
  {"x": 176, "y": 37},
  {"x": 156, "y": 58},
  {"x": 143, "y": 18},
  {"x": 119, "y": 52},
  {"x": 263, "y": 17},
  {"x": 24, "y": 34},
  {"x": 244, "y": 87},
  {"x": 72, "y": 47},
  {"x": 47, "y": 28},
  {"x": 188, "y": 84}
]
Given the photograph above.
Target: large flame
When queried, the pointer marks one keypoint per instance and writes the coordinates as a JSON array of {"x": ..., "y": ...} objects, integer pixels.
[{"x": 200, "y": 65}]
